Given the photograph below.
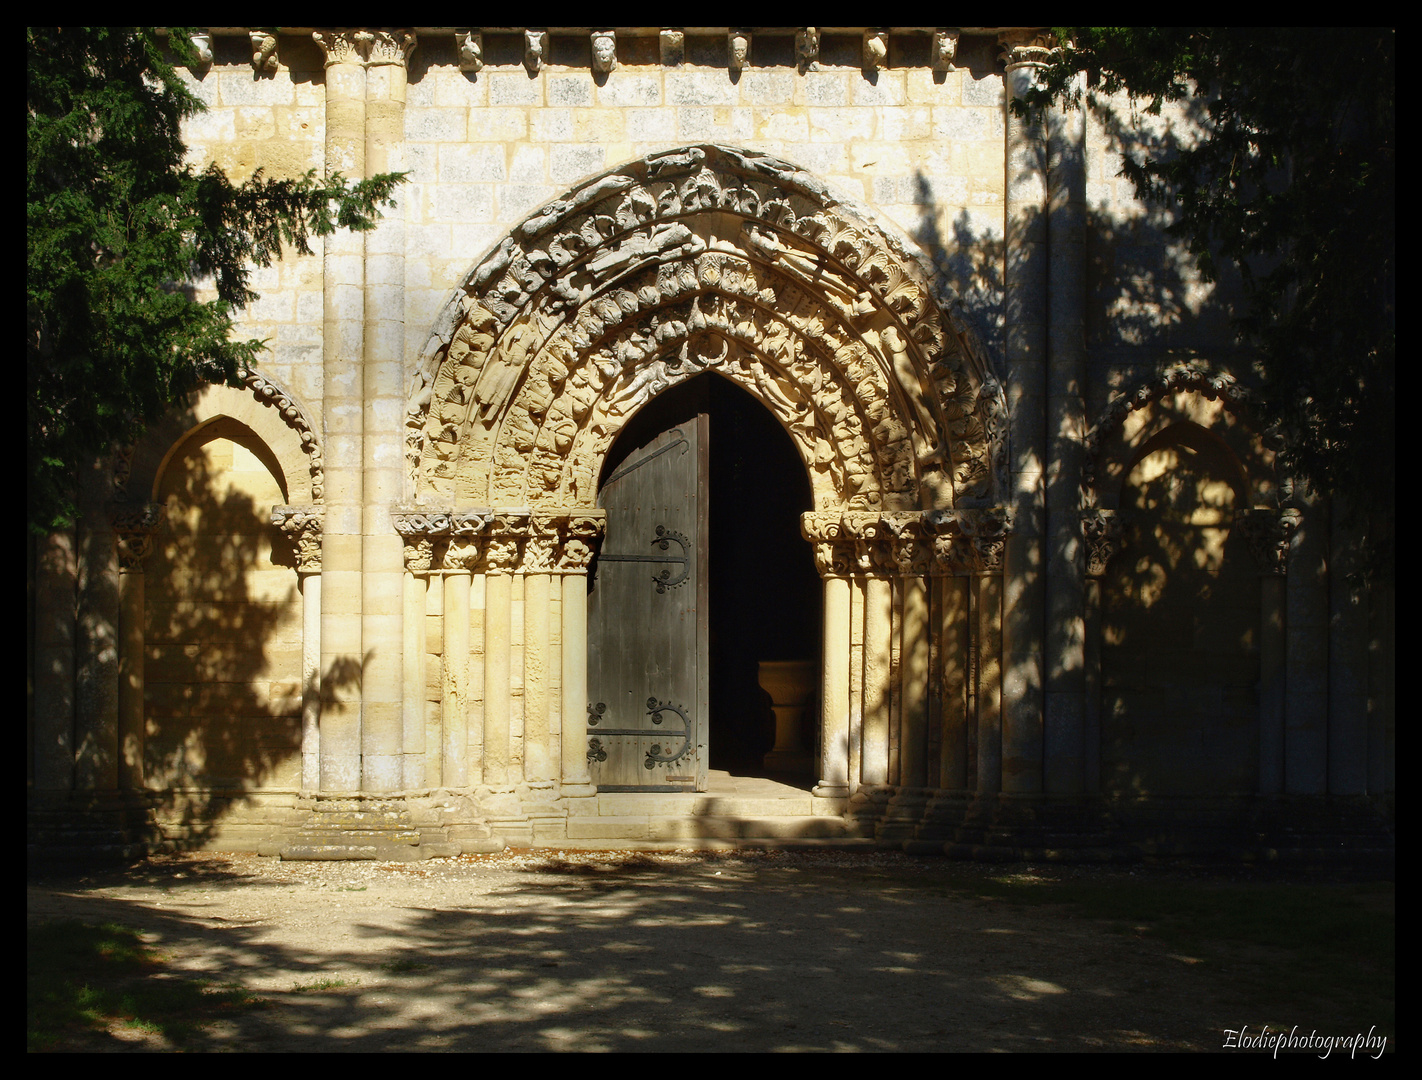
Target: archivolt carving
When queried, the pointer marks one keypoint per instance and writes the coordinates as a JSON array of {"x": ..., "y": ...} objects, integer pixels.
[
  {"x": 702, "y": 259},
  {"x": 271, "y": 394},
  {"x": 1212, "y": 385}
]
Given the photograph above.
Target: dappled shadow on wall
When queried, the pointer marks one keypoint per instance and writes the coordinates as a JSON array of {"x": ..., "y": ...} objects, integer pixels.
[
  {"x": 222, "y": 632},
  {"x": 1180, "y": 626}
]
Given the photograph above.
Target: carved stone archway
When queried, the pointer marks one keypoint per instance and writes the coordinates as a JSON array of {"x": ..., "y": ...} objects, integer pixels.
[
  {"x": 701, "y": 259},
  {"x": 697, "y": 259}
]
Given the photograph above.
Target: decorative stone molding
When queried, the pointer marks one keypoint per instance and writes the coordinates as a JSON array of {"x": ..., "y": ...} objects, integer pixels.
[
  {"x": 273, "y": 395},
  {"x": 1269, "y": 533},
  {"x": 673, "y": 47},
  {"x": 632, "y": 283},
  {"x": 469, "y": 46},
  {"x": 264, "y": 59},
  {"x": 850, "y": 543},
  {"x": 738, "y": 44},
  {"x": 604, "y": 51},
  {"x": 303, "y": 525},
  {"x": 1027, "y": 48},
  {"x": 535, "y": 50},
  {"x": 1213, "y": 385},
  {"x": 555, "y": 540},
  {"x": 876, "y": 50},
  {"x": 134, "y": 529},
  {"x": 391, "y": 47},
  {"x": 944, "y": 50},
  {"x": 1101, "y": 529},
  {"x": 807, "y": 48}
]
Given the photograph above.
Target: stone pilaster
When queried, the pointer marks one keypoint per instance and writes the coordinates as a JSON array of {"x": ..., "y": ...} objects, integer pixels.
[
  {"x": 134, "y": 529},
  {"x": 1024, "y": 602},
  {"x": 302, "y": 525}
]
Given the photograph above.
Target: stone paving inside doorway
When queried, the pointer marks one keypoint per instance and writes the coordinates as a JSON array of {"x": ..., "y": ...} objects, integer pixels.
[{"x": 681, "y": 951}]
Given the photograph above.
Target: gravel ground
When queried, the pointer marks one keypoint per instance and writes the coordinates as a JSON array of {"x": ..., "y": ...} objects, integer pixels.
[{"x": 673, "y": 951}]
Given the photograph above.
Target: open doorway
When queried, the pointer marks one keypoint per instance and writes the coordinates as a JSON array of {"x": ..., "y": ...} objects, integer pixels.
[{"x": 764, "y": 593}]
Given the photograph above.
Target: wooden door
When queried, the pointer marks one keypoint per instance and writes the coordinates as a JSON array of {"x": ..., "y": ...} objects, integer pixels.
[{"x": 647, "y": 628}]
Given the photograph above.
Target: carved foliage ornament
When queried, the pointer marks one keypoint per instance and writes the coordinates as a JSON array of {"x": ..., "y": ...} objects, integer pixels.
[
  {"x": 303, "y": 525},
  {"x": 365, "y": 46},
  {"x": 908, "y": 543},
  {"x": 632, "y": 282},
  {"x": 558, "y": 541},
  {"x": 134, "y": 528}
]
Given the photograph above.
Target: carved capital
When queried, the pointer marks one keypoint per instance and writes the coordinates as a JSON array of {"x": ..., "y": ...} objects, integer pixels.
[
  {"x": 951, "y": 551},
  {"x": 1101, "y": 529},
  {"x": 343, "y": 46},
  {"x": 807, "y": 48},
  {"x": 1026, "y": 48},
  {"x": 535, "y": 50},
  {"x": 673, "y": 46},
  {"x": 469, "y": 47},
  {"x": 264, "y": 59},
  {"x": 302, "y": 524},
  {"x": 134, "y": 528},
  {"x": 738, "y": 43},
  {"x": 441, "y": 538},
  {"x": 391, "y": 47},
  {"x": 985, "y": 532},
  {"x": 503, "y": 551},
  {"x": 1269, "y": 533},
  {"x": 909, "y": 546},
  {"x": 604, "y": 51},
  {"x": 419, "y": 553},
  {"x": 581, "y": 535},
  {"x": 850, "y": 542},
  {"x": 876, "y": 50},
  {"x": 945, "y": 49}
]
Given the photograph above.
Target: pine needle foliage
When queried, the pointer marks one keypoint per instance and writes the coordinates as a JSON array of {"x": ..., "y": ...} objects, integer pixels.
[
  {"x": 1292, "y": 180},
  {"x": 122, "y": 232}
]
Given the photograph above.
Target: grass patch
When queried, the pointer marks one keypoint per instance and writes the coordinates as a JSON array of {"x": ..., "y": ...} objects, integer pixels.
[
  {"x": 325, "y": 984},
  {"x": 1308, "y": 954},
  {"x": 84, "y": 980}
]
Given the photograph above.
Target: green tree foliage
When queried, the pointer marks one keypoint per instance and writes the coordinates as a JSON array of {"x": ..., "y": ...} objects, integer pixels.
[
  {"x": 121, "y": 234},
  {"x": 1292, "y": 180}
]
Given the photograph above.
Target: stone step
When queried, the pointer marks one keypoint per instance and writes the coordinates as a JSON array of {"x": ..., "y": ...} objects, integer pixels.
[{"x": 658, "y": 828}]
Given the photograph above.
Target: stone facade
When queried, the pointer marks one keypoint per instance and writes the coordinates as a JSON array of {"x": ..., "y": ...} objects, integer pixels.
[{"x": 1067, "y": 600}]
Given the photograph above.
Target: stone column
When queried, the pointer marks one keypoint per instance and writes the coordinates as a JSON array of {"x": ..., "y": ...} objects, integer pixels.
[
  {"x": 951, "y": 566},
  {"x": 454, "y": 714},
  {"x": 419, "y": 557},
  {"x": 987, "y": 533},
  {"x": 56, "y": 580},
  {"x": 502, "y": 559},
  {"x": 382, "y": 454},
  {"x": 302, "y": 525},
  {"x": 96, "y": 749},
  {"x": 910, "y": 554},
  {"x": 1064, "y": 738},
  {"x": 1101, "y": 530},
  {"x": 133, "y": 533},
  {"x": 833, "y": 560},
  {"x": 1268, "y": 533},
  {"x": 581, "y": 534},
  {"x": 343, "y": 412},
  {"x": 878, "y": 643},
  {"x": 540, "y": 766},
  {"x": 1024, "y": 600}
]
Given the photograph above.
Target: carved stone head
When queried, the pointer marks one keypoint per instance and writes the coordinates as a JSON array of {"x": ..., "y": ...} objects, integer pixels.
[
  {"x": 807, "y": 46},
  {"x": 604, "y": 51},
  {"x": 738, "y": 49}
]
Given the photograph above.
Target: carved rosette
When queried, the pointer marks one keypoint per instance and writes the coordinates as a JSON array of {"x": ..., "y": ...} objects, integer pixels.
[
  {"x": 1101, "y": 529},
  {"x": 302, "y": 525},
  {"x": 134, "y": 528},
  {"x": 1269, "y": 533}
]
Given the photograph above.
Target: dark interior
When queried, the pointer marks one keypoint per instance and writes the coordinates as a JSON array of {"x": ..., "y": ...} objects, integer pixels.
[{"x": 764, "y": 591}]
